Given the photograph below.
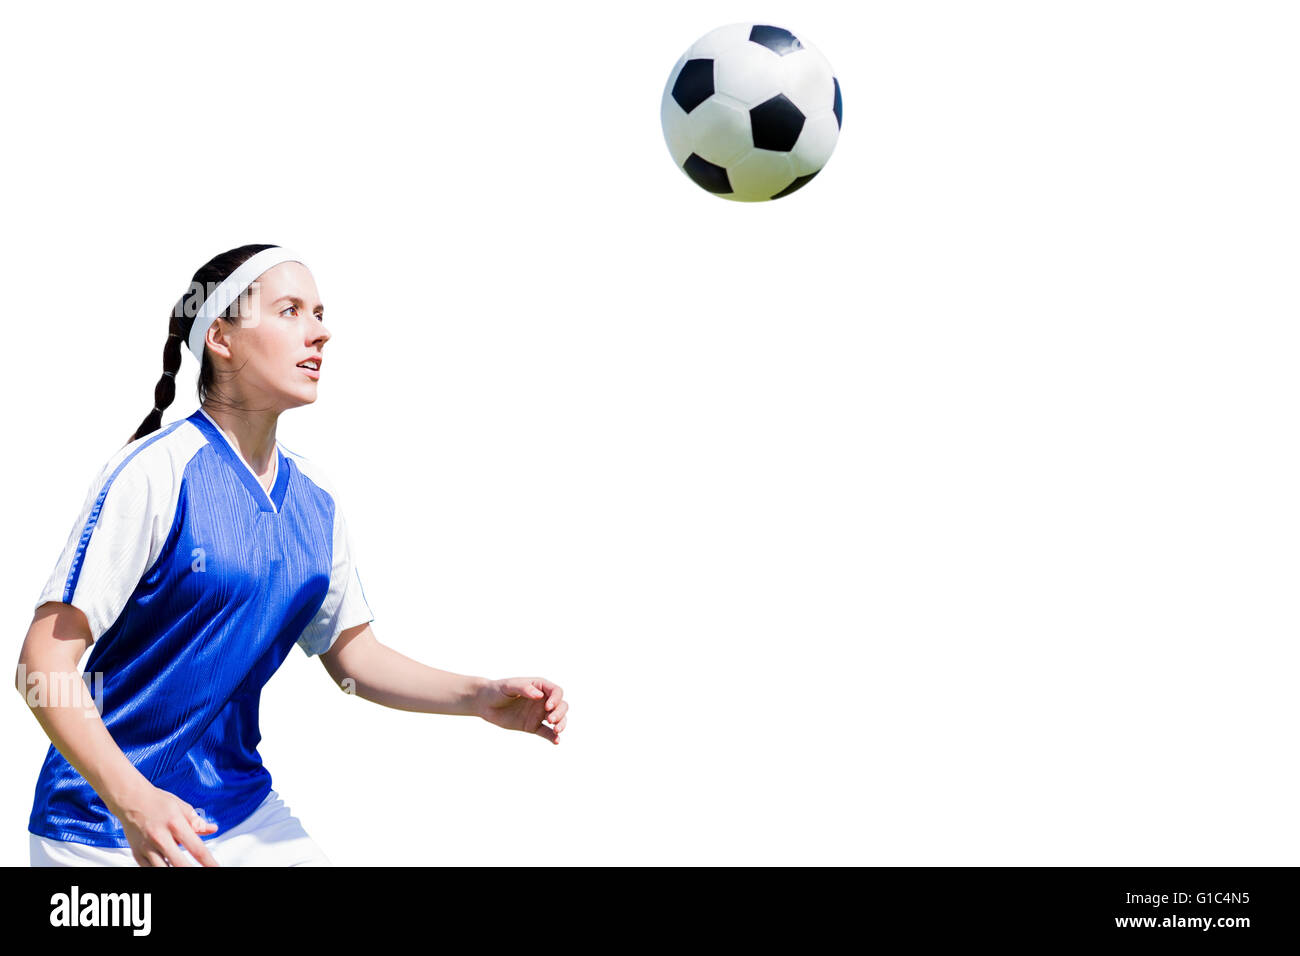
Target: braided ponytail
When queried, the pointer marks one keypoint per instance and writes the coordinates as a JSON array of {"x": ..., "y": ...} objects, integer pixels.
[
  {"x": 210, "y": 274},
  {"x": 164, "y": 393}
]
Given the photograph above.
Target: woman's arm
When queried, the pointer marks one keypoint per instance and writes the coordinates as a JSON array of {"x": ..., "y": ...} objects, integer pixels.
[
  {"x": 53, "y": 688},
  {"x": 361, "y": 665}
]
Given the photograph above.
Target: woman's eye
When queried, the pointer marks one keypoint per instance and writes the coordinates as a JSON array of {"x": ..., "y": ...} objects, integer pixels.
[{"x": 292, "y": 308}]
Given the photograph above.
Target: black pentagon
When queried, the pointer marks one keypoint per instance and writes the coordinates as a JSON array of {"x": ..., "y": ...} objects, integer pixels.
[
  {"x": 775, "y": 39},
  {"x": 706, "y": 175},
  {"x": 694, "y": 84},
  {"x": 799, "y": 181},
  {"x": 839, "y": 107},
  {"x": 776, "y": 124}
]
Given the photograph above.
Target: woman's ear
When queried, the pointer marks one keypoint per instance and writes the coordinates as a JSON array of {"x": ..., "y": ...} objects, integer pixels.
[{"x": 220, "y": 337}]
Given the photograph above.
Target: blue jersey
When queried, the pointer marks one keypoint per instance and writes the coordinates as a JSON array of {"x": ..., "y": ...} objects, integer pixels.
[{"x": 196, "y": 582}]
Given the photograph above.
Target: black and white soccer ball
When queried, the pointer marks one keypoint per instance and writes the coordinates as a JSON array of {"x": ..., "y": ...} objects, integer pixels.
[{"x": 751, "y": 112}]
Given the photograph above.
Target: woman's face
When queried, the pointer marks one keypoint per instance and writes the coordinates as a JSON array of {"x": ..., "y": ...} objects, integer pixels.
[{"x": 281, "y": 327}]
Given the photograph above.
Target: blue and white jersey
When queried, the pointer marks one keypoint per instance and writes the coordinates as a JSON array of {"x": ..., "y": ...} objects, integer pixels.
[{"x": 196, "y": 583}]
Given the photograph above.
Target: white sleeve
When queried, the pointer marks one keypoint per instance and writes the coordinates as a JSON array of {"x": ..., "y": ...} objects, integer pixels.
[
  {"x": 345, "y": 604},
  {"x": 118, "y": 536}
]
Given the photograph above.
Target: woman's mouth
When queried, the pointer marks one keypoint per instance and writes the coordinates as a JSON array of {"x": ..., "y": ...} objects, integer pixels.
[{"x": 312, "y": 368}]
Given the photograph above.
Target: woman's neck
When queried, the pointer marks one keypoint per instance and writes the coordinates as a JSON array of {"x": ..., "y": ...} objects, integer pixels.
[{"x": 251, "y": 433}]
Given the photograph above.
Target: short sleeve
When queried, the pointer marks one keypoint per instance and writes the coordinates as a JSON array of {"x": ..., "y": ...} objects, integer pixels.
[
  {"x": 117, "y": 536},
  {"x": 345, "y": 603}
]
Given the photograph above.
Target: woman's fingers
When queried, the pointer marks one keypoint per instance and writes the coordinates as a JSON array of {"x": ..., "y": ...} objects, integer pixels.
[
  {"x": 547, "y": 733},
  {"x": 174, "y": 855},
  {"x": 552, "y": 708},
  {"x": 197, "y": 822},
  {"x": 197, "y": 848},
  {"x": 521, "y": 687}
]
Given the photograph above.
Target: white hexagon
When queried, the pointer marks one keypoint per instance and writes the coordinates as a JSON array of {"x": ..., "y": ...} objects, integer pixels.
[
  {"x": 760, "y": 175},
  {"x": 719, "y": 131},
  {"x": 816, "y": 143},
  {"x": 715, "y": 41},
  {"x": 808, "y": 81},
  {"x": 677, "y": 133},
  {"x": 749, "y": 72}
]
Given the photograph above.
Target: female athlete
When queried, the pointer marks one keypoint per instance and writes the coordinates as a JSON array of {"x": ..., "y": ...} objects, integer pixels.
[{"x": 203, "y": 552}]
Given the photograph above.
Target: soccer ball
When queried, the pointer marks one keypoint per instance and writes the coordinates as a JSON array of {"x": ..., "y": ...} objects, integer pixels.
[{"x": 750, "y": 112}]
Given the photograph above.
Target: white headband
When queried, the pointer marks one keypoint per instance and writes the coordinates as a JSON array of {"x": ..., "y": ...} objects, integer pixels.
[{"x": 225, "y": 294}]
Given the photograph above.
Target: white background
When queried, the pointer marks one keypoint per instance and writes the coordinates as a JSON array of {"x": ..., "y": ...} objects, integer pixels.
[{"x": 943, "y": 512}]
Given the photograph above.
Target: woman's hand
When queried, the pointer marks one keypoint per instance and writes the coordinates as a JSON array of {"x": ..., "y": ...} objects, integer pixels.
[
  {"x": 155, "y": 821},
  {"x": 524, "y": 703}
]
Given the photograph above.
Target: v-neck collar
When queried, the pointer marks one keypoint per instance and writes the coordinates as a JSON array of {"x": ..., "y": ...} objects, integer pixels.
[{"x": 216, "y": 435}]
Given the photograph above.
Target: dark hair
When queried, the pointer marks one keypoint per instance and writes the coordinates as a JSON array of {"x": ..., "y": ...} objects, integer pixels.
[{"x": 210, "y": 274}]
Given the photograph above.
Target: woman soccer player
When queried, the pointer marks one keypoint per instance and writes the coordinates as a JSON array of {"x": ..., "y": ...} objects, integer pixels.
[{"x": 202, "y": 554}]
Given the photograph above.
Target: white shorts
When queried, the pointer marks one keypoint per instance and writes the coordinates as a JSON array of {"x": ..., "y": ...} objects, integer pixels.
[{"x": 271, "y": 836}]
